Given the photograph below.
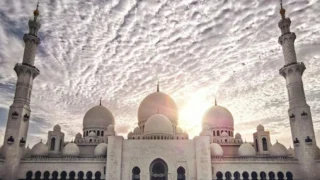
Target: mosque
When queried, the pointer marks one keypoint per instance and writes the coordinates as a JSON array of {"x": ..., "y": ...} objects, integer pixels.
[{"x": 158, "y": 149}]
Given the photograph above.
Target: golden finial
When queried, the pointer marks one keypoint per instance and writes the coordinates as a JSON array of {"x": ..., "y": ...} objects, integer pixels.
[
  {"x": 36, "y": 12},
  {"x": 282, "y": 10}
]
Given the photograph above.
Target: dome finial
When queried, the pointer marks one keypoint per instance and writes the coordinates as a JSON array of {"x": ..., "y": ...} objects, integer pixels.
[
  {"x": 100, "y": 100},
  {"x": 282, "y": 10},
  {"x": 215, "y": 102},
  {"x": 36, "y": 12},
  {"x": 158, "y": 87}
]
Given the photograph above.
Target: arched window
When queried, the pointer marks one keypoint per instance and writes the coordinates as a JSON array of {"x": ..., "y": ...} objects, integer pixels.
[
  {"x": 72, "y": 175},
  {"x": 257, "y": 145},
  {"x": 87, "y": 132},
  {"x": 158, "y": 170},
  {"x": 63, "y": 175},
  {"x": 89, "y": 175},
  {"x": 289, "y": 176},
  {"x": 98, "y": 133},
  {"x": 218, "y": 133},
  {"x": 225, "y": 140},
  {"x": 136, "y": 173},
  {"x": 236, "y": 175},
  {"x": 53, "y": 143},
  {"x": 46, "y": 175},
  {"x": 213, "y": 133},
  {"x": 229, "y": 133},
  {"x": 97, "y": 175},
  {"x": 271, "y": 175},
  {"x": 29, "y": 175},
  {"x": 55, "y": 175},
  {"x": 280, "y": 176},
  {"x": 245, "y": 175},
  {"x": 80, "y": 175},
  {"x": 264, "y": 144},
  {"x": 228, "y": 175},
  {"x": 102, "y": 133},
  {"x": 37, "y": 175},
  {"x": 219, "y": 175},
  {"x": 181, "y": 173},
  {"x": 263, "y": 176},
  {"x": 254, "y": 175}
]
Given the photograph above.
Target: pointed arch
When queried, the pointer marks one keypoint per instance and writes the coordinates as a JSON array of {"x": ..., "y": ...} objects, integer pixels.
[
  {"x": 181, "y": 173},
  {"x": 53, "y": 143},
  {"x": 136, "y": 173},
  {"x": 158, "y": 170},
  {"x": 264, "y": 144}
]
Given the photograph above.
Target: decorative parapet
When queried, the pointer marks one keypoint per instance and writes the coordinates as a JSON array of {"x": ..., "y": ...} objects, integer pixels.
[
  {"x": 65, "y": 159},
  {"x": 262, "y": 159}
]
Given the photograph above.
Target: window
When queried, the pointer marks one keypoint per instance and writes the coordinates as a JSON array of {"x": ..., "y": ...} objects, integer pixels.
[
  {"x": 219, "y": 175},
  {"x": 236, "y": 175},
  {"x": 158, "y": 170},
  {"x": 254, "y": 176},
  {"x": 53, "y": 143},
  {"x": 98, "y": 133},
  {"x": 289, "y": 176},
  {"x": 136, "y": 173},
  {"x": 228, "y": 175},
  {"x": 245, "y": 175},
  {"x": 218, "y": 133},
  {"x": 181, "y": 173},
  {"x": 214, "y": 133},
  {"x": 60, "y": 145},
  {"x": 264, "y": 144},
  {"x": 263, "y": 176},
  {"x": 257, "y": 147},
  {"x": 102, "y": 133}
]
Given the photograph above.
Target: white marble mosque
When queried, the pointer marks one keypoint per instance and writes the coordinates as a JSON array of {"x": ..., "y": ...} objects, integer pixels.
[{"x": 158, "y": 149}]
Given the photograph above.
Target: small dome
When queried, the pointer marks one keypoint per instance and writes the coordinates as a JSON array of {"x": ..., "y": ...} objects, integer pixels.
[
  {"x": 101, "y": 150},
  {"x": 260, "y": 128},
  {"x": 224, "y": 134},
  {"x": 216, "y": 150},
  {"x": 158, "y": 102},
  {"x": 179, "y": 130},
  {"x": 291, "y": 151},
  {"x": 92, "y": 134},
  {"x": 27, "y": 152},
  {"x": 111, "y": 128},
  {"x": 278, "y": 149},
  {"x": 39, "y": 149},
  {"x": 205, "y": 133},
  {"x": 78, "y": 136},
  {"x": 130, "y": 134},
  {"x": 158, "y": 124},
  {"x": 57, "y": 128},
  {"x": 137, "y": 130},
  {"x": 71, "y": 149},
  {"x": 98, "y": 117},
  {"x": 238, "y": 136},
  {"x": 205, "y": 127},
  {"x": 218, "y": 117},
  {"x": 246, "y": 150}
]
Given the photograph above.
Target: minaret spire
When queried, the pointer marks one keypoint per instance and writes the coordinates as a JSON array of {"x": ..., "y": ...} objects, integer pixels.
[
  {"x": 299, "y": 111},
  {"x": 19, "y": 114},
  {"x": 158, "y": 87}
]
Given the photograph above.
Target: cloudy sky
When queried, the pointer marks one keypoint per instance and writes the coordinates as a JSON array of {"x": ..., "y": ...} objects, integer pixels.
[{"x": 198, "y": 49}]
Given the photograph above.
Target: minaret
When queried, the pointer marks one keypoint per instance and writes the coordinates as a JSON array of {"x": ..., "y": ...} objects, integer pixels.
[
  {"x": 19, "y": 113},
  {"x": 299, "y": 111}
]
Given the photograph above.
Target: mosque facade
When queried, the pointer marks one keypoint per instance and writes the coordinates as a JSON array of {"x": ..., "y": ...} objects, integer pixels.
[{"x": 158, "y": 149}]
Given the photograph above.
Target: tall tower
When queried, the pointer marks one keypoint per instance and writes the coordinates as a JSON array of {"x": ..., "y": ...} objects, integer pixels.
[
  {"x": 299, "y": 111},
  {"x": 19, "y": 113}
]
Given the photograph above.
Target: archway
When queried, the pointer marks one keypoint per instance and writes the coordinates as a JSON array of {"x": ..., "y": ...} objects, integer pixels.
[
  {"x": 228, "y": 175},
  {"x": 280, "y": 176},
  {"x": 289, "y": 176},
  {"x": 97, "y": 175},
  {"x": 158, "y": 170},
  {"x": 37, "y": 175},
  {"x": 46, "y": 175},
  {"x": 272, "y": 175},
  {"x": 136, "y": 173},
  {"x": 29, "y": 175},
  {"x": 245, "y": 175},
  {"x": 80, "y": 175},
  {"x": 72, "y": 175},
  {"x": 181, "y": 173},
  {"x": 264, "y": 144},
  {"x": 236, "y": 175},
  {"x": 263, "y": 176},
  {"x": 89, "y": 175},
  {"x": 254, "y": 175},
  {"x": 219, "y": 175},
  {"x": 63, "y": 175}
]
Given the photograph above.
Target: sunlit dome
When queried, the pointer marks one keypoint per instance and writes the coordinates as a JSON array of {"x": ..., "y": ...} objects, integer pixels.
[
  {"x": 71, "y": 149},
  {"x": 278, "y": 149},
  {"x": 158, "y": 124},
  {"x": 39, "y": 149},
  {"x": 101, "y": 150},
  {"x": 158, "y": 102},
  {"x": 218, "y": 117},
  {"x": 238, "y": 136},
  {"x": 78, "y": 136},
  {"x": 137, "y": 130},
  {"x": 216, "y": 150},
  {"x": 246, "y": 150},
  {"x": 260, "y": 128},
  {"x": 98, "y": 117}
]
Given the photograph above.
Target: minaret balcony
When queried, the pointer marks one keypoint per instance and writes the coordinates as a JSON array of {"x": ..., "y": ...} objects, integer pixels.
[
  {"x": 292, "y": 68},
  {"x": 26, "y": 117},
  {"x": 304, "y": 115},
  {"x": 292, "y": 117},
  {"x": 22, "y": 142},
  {"x": 296, "y": 142},
  {"x": 308, "y": 140},
  {"x": 10, "y": 140}
]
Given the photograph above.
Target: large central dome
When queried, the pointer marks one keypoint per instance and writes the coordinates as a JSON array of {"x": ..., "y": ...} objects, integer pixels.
[
  {"x": 98, "y": 117},
  {"x": 155, "y": 103}
]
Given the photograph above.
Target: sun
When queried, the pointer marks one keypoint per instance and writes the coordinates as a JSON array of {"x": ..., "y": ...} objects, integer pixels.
[{"x": 192, "y": 111}]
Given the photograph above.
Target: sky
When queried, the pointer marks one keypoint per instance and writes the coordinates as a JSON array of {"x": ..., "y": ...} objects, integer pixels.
[{"x": 199, "y": 50}]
